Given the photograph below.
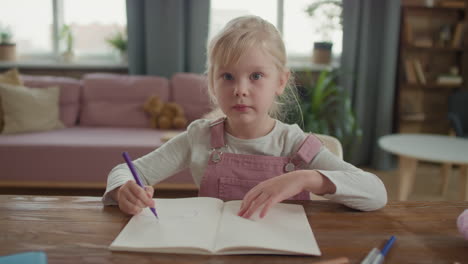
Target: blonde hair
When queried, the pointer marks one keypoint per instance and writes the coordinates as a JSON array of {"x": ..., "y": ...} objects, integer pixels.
[{"x": 241, "y": 34}]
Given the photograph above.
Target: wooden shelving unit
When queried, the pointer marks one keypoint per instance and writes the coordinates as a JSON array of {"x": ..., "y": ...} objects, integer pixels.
[{"x": 432, "y": 63}]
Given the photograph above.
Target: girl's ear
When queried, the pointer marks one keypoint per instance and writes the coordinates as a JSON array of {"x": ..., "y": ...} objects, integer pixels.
[{"x": 283, "y": 80}]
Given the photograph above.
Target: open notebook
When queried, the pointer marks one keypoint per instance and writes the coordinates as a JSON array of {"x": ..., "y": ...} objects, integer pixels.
[{"x": 203, "y": 225}]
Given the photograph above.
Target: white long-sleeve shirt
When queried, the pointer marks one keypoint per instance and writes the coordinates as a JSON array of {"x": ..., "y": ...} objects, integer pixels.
[{"x": 355, "y": 188}]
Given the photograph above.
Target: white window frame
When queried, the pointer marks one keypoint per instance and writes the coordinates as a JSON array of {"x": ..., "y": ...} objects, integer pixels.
[
  {"x": 280, "y": 15},
  {"x": 57, "y": 23}
]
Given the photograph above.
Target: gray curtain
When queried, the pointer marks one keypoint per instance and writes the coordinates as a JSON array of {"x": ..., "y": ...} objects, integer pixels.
[
  {"x": 167, "y": 36},
  {"x": 369, "y": 62}
]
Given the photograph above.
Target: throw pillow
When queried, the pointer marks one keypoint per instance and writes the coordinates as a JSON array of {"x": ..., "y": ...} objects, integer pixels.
[
  {"x": 30, "y": 109},
  {"x": 9, "y": 77}
]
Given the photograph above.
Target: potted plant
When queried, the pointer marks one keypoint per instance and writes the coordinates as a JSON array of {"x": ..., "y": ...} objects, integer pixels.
[
  {"x": 66, "y": 35},
  {"x": 328, "y": 17},
  {"x": 119, "y": 42},
  {"x": 326, "y": 109},
  {"x": 7, "y": 46}
]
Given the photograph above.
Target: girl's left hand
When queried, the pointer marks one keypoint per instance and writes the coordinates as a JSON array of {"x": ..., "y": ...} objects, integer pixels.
[{"x": 270, "y": 192}]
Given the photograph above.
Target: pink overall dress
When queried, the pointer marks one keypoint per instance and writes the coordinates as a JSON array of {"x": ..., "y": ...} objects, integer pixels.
[{"x": 230, "y": 176}]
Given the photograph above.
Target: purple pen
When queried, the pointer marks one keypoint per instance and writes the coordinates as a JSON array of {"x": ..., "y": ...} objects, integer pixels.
[{"x": 136, "y": 177}]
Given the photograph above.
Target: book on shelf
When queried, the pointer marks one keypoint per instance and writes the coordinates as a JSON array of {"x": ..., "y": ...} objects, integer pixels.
[
  {"x": 408, "y": 32},
  {"x": 410, "y": 72},
  {"x": 419, "y": 71},
  {"x": 459, "y": 31},
  {"x": 204, "y": 225}
]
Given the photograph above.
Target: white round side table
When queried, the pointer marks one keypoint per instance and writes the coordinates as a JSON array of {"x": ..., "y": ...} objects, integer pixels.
[{"x": 412, "y": 148}]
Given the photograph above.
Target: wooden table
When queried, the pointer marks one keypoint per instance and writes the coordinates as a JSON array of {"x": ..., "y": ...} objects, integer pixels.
[
  {"x": 79, "y": 230},
  {"x": 412, "y": 148}
]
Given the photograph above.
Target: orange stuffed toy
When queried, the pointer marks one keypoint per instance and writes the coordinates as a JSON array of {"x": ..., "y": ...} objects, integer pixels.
[{"x": 165, "y": 115}]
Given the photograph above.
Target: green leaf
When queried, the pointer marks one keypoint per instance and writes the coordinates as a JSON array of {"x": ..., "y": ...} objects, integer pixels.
[
  {"x": 118, "y": 41},
  {"x": 327, "y": 109}
]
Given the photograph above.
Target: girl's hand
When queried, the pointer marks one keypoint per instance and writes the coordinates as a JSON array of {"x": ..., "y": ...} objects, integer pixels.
[
  {"x": 132, "y": 198},
  {"x": 270, "y": 192},
  {"x": 277, "y": 189}
]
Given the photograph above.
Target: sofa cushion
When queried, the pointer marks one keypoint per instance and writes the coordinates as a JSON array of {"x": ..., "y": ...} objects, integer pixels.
[
  {"x": 69, "y": 94},
  {"x": 190, "y": 90},
  {"x": 117, "y": 100},
  {"x": 76, "y": 154},
  {"x": 9, "y": 77},
  {"x": 28, "y": 109}
]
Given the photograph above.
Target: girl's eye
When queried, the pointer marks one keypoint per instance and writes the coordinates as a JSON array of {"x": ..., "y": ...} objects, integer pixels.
[
  {"x": 227, "y": 76},
  {"x": 256, "y": 76}
]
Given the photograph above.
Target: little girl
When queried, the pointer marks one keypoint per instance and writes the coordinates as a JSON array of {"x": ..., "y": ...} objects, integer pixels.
[{"x": 248, "y": 154}]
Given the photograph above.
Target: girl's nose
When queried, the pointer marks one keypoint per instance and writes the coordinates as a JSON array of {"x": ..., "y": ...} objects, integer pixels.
[
  {"x": 240, "y": 93},
  {"x": 241, "y": 90}
]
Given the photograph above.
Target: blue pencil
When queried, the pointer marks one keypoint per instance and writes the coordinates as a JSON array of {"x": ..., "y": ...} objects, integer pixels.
[{"x": 136, "y": 177}]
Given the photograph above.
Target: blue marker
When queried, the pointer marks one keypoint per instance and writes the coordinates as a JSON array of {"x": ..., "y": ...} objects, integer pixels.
[
  {"x": 376, "y": 256},
  {"x": 136, "y": 177}
]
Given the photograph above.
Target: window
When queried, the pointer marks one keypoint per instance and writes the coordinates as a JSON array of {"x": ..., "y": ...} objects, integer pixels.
[
  {"x": 223, "y": 11},
  {"x": 31, "y": 27},
  {"x": 299, "y": 29},
  {"x": 289, "y": 16},
  {"x": 91, "y": 23},
  {"x": 103, "y": 19}
]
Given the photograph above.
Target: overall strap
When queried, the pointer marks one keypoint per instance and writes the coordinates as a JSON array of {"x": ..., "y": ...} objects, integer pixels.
[
  {"x": 217, "y": 133},
  {"x": 307, "y": 151}
]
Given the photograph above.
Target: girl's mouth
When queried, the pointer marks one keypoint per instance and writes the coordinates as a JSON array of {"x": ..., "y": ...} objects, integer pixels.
[{"x": 241, "y": 107}]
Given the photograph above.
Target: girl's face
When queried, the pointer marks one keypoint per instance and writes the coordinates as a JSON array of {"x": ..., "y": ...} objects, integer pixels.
[{"x": 245, "y": 92}]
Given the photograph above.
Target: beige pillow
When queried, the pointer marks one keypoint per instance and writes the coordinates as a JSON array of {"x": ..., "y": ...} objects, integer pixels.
[
  {"x": 9, "y": 77},
  {"x": 30, "y": 109}
]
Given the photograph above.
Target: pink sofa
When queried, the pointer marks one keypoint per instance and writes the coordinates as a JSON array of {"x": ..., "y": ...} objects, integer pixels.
[{"x": 103, "y": 116}]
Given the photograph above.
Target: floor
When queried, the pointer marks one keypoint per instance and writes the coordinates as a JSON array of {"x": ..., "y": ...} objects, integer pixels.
[{"x": 426, "y": 187}]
